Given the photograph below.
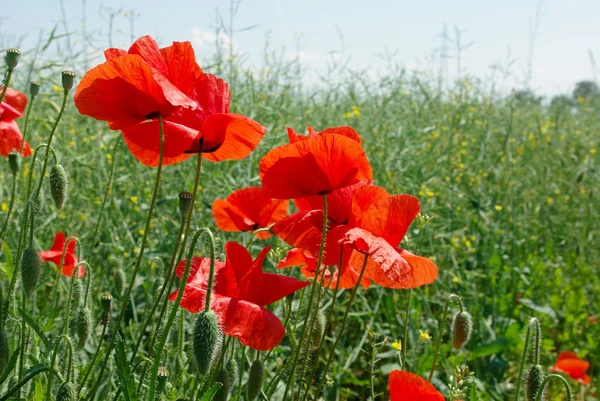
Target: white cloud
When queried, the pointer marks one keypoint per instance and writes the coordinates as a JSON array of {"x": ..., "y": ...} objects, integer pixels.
[{"x": 207, "y": 42}]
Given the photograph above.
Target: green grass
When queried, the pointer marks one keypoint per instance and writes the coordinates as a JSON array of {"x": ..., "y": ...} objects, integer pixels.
[{"x": 512, "y": 188}]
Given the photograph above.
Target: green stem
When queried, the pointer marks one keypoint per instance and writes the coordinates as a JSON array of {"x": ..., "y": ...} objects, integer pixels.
[
  {"x": 26, "y": 124},
  {"x": 49, "y": 144},
  {"x": 92, "y": 362},
  {"x": 344, "y": 321},
  {"x": 10, "y": 207},
  {"x": 59, "y": 269},
  {"x": 26, "y": 379},
  {"x": 554, "y": 376},
  {"x": 442, "y": 325},
  {"x": 405, "y": 339},
  {"x": 290, "y": 382},
  {"x": 175, "y": 308},
  {"x": 61, "y": 337},
  {"x": 6, "y": 83},
  {"x": 138, "y": 263},
  {"x": 532, "y": 322}
]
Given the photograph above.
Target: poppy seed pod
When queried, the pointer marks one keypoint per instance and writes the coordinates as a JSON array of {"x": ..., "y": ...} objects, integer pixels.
[
  {"x": 4, "y": 351},
  {"x": 232, "y": 371},
  {"x": 185, "y": 203},
  {"x": 12, "y": 58},
  {"x": 224, "y": 379},
  {"x": 14, "y": 162},
  {"x": 77, "y": 292},
  {"x": 34, "y": 88},
  {"x": 535, "y": 377},
  {"x": 84, "y": 325},
  {"x": 255, "y": 380},
  {"x": 206, "y": 333},
  {"x": 31, "y": 265},
  {"x": 58, "y": 185},
  {"x": 68, "y": 79},
  {"x": 161, "y": 380},
  {"x": 66, "y": 392},
  {"x": 462, "y": 327}
]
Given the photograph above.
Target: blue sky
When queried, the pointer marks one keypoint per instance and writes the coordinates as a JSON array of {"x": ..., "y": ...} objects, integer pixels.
[{"x": 499, "y": 31}]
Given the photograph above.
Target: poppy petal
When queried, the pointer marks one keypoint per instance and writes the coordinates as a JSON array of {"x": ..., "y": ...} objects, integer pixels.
[
  {"x": 406, "y": 386},
  {"x": 234, "y": 136},
  {"x": 182, "y": 67},
  {"x": 346, "y": 131},
  {"x": 362, "y": 198},
  {"x": 279, "y": 287},
  {"x": 390, "y": 218},
  {"x": 230, "y": 218},
  {"x": 147, "y": 48},
  {"x": 424, "y": 271},
  {"x": 11, "y": 138},
  {"x": 315, "y": 166},
  {"x": 13, "y": 104},
  {"x": 212, "y": 93},
  {"x": 151, "y": 158},
  {"x": 114, "y": 53}
]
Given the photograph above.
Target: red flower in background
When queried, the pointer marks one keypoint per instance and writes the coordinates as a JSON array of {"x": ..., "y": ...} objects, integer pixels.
[
  {"x": 132, "y": 88},
  {"x": 568, "y": 362},
  {"x": 315, "y": 165},
  {"x": 406, "y": 386},
  {"x": 248, "y": 209},
  {"x": 373, "y": 225},
  {"x": 54, "y": 255},
  {"x": 12, "y": 107},
  {"x": 240, "y": 294}
]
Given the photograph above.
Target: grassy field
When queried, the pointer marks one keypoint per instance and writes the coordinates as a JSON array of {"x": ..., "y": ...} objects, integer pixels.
[{"x": 511, "y": 187}]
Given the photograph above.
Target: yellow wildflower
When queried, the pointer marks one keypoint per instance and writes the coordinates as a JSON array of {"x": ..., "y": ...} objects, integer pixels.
[
  {"x": 397, "y": 345},
  {"x": 424, "y": 335}
]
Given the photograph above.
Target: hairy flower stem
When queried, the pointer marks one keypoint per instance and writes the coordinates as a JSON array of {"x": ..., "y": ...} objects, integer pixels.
[
  {"x": 328, "y": 321},
  {"x": 53, "y": 297},
  {"x": 90, "y": 365},
  {"x": 452, "y": 297},
  {"x": 138, "y": 263},
  {"x": 174, "y": 310},
  {"x": 344, "y": 321},
  {"x": 26, "y": 123},
  {"x": 406, "y": 320},
  {"x": 11, "y": 203},
  {"x": 49, "y": 143},
  {"x": 6, "y": 83},
  {"x": 307, "y": 327},
  {"x": 546, "y": 381},
  {"x": 532, "y": 322},
  {"x": 106, "y": 193}
]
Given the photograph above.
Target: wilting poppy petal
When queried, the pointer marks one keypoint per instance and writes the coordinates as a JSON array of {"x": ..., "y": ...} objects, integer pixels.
[
  {"x": 315, "y": 166},
  {"x": 125, "y": 91},
  {"x": 10, "y": 139},
  {"x": 232, "y": 136},
  {"x": 406, "y": 386},
  {"x": 248, "y": 209}
]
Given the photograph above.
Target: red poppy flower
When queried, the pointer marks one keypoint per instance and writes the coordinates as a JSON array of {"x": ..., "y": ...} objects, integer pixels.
[
  {"x": 248, "y": 209},
  {"x": 406, "y": 386},
  {"x": 12, "y": 107},
  {"x": 373, "y": 225},
  {"x": 315, "y": 165},
  {"x": 308, "y": 267},
  {"x": 54, "y": 255},
  {"x": 568, "y": 362},
  {"x": 240, "y": 294},
  {"x": 344, "y": 131},
  {"x": 132, "y": 88}
]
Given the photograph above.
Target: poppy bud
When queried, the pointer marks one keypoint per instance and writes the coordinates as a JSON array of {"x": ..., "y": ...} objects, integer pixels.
[
  {"x": 120, "y": 281},
  {"x": 206, "y": 333},
  {"x": 84, "y": 325},
  {"x": 12, "y": 58},
  {"x": 14, "y": 161},
  {"x": 161, "y": 380},
  {"x": 157, "y": 285},
  {"x": 319, "y": 327},
  {"x": 58, "y": 185},
  {"x": 462, "y": 327},
  {"x": 224, "y": 379},
  {"x": 66, "y": 392},
  {"x": 106, "y": 300},
  {"x": 185, "y": 203},
  {"x": 31, "y": 265},
  {"x": 232, "y": 371},
  {"x": 68, "y": 79},
  {"x": 4, "y": 351},
  {"x": 255, "y": 380},
  {"x": 34, "y": 88},
  {"x": 77, "y": 291},
  {"x": 535, "y": 377}
]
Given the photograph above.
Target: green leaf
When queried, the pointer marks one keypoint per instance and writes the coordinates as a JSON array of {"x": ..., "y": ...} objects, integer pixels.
[
  {"x": 32, "y": 323},
  {"x": 495, "y": 347},
  {"x": 124, "y": 370},
  {"x": 11, "y": 365},
  {"x": 546, "y": 310},
  {"x": 208, "y": 396},
  {"x": 9, "y": 267},
  {"x": 473, "y": 394}
]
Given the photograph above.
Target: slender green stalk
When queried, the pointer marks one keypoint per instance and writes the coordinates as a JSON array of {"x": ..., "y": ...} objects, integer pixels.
[
  {"x": 26, "y": 123},
  {"x": 554, "y": 376},
  {"x": 53, "y": 295},
  {"x": 440, "y": 335},
  {"x": 13, "y": 192},
  {"x": 315, "y": 283},
  {"x": 61, "y": 337},
  {"x": 532, "y": 322},
  {"x": 406, "y": 320},
  {"x": 25, "y": 380},
  {"x": 6, "y": 83},
  {"x": 344, "y": 321},
  {"x": 92, "y": 362},
  {"x": 175, "y": 308},
  {"x": 49, "y": 144},
  {"x": 136, "y": 269}
]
